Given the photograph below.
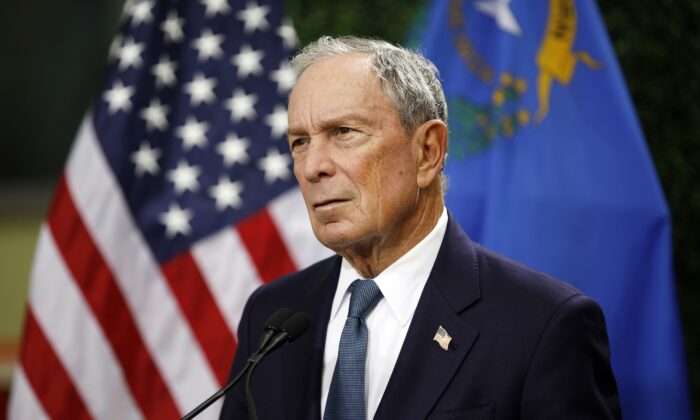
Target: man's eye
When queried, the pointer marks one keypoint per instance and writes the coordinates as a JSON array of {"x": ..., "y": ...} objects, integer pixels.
[
  {"x": 344, "y": 130},
  {"x": 298, "y": 143}
]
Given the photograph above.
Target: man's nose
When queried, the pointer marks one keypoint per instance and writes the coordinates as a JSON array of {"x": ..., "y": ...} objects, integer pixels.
[{"x": 318, "y": 161}]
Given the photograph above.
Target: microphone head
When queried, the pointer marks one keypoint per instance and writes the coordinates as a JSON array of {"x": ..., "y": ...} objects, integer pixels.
[
  {"x": 296, "y": 325},
  {"x": 275, "y": 321}
]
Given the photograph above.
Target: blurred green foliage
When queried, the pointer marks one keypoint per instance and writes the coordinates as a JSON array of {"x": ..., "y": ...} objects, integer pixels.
[
  {"x": 386, "y": 19},
  {"x": 657, "y": 44},
  {"x": 52, "y": 61}
]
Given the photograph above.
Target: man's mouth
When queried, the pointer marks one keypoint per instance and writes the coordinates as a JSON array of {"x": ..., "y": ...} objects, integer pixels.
[{"x": 327, "y": 203}]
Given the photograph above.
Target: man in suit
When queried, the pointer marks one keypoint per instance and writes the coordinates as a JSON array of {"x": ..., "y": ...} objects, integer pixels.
[{"x": 448, "y": 330}]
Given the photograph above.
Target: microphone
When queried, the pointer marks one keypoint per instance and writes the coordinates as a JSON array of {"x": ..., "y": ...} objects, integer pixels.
[
  {"x": 290, "y": 330},
  {"x": 273, "y": 327}
]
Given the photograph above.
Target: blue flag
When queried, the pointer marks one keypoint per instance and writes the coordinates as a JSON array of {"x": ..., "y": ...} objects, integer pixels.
[{"x": 548, "y": 165}]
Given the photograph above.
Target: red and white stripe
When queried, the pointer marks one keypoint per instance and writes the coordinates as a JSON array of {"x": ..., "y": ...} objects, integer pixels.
[{"x": 110, "y": 332}]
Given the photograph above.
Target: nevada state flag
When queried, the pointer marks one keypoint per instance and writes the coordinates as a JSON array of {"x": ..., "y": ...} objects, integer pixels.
[{"x": 548, "y": 165}]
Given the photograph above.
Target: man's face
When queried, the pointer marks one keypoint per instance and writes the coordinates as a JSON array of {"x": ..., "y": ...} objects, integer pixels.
[{"x": 355, "y": 165}]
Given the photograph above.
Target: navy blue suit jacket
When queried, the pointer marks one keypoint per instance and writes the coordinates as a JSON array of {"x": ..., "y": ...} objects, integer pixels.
[{"x": 524, "y": 346}]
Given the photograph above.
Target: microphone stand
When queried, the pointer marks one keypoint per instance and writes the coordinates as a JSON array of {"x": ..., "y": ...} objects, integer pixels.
[
  {"x": 272, "y": 327},
  {"x": 290, "y": 330},
  {"x": 209, "y": 401}
]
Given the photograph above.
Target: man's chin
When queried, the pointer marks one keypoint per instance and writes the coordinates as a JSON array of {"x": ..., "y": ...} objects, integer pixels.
[{"x": 334, "y": 236}]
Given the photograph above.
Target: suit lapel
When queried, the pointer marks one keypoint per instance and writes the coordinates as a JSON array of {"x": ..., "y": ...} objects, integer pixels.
[
  {"x": 423, "y": 369},
  {"x": 304, "y": 359}
]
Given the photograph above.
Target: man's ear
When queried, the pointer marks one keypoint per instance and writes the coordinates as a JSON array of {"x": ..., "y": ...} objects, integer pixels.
[{"x": 431, "y": 138}]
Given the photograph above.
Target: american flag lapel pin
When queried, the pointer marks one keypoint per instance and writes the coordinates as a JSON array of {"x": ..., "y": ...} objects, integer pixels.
[{"x": 442, "y": 338}]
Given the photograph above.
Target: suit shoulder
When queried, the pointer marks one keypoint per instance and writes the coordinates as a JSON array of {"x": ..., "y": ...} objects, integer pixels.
[
  {"x": 502, "y": 277},
  {"x": 519, "y": 305}
]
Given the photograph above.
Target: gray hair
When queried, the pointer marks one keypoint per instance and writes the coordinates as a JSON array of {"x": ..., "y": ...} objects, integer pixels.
[{"x": 407, "y": 78}]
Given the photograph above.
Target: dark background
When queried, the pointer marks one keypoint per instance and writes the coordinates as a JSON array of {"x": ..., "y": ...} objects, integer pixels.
[{"x": 52, "y": 60}]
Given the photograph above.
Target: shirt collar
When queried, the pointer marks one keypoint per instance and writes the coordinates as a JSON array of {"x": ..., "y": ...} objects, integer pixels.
[{"x": 403, "y": 281}]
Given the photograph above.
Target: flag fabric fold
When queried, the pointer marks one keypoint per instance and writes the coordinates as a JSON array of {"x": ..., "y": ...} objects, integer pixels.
[
  {"x": 176, "y": 202},
  {"x": 548, "y": 165}
]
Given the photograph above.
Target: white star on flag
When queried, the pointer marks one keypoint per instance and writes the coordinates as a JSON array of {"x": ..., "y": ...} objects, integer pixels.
[
  {"x": 129, "y": 54},
  {"x": 277, "y": 121},
  {"x": 216, "y": 6},
  {"x": 140, "y": 12},
  {"x": 248, "y": 61},
  {"x": 227, "y": 193},
  {"x": 201, "y": 89},
  {"x": 193, "y": 133},
  {"x": 119, "y": 97},
  {"x": 146, "y": 159},
  {"x": 285, "y": 77},
  {"x": 172, "y": 26},
  {"x": 184, "y": 177},
  {"x": 253, "y": 17},
  {"x": 208, "y": 45},
  {"x": 234, "y": 150},
  {"x": 500, "y": 11},
  {"x": 241, "y": 106},
  {"x": 288, "y": 34},
  {"x": 164, "y": 71},
  {"x": 275, "y": 165},
  {"x": 155, "y": 115},
  {"x": 176, "y": 220}
]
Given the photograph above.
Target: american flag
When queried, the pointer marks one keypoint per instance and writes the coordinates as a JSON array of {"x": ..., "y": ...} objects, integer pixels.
[
  {"x": 176, "y": 202},
  {"x": 442, "y": 338}
]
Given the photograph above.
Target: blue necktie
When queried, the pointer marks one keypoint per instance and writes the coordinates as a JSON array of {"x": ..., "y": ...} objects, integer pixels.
[{"x": 346, "y": 397}]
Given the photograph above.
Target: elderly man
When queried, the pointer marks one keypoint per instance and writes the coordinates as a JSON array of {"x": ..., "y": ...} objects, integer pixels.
[{"x": 410, "y": 319}]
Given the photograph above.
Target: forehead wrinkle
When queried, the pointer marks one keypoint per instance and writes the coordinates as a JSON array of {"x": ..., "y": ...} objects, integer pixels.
[
  {"x": 347, "y": 118},
  {"x": 317, "y": 110}
]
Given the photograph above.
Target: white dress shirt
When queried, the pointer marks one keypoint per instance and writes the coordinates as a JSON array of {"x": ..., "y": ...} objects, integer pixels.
[{"x": 401, "y": 284}]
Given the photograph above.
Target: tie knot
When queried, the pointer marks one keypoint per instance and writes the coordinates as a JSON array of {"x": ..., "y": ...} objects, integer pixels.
[{"x": 365, "y": 294}]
